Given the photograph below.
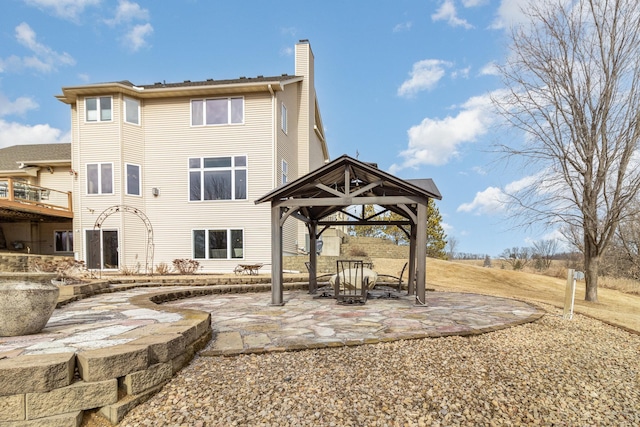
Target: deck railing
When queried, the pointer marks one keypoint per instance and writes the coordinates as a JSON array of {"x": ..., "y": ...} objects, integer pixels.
[{"x": 12, "y": 190}]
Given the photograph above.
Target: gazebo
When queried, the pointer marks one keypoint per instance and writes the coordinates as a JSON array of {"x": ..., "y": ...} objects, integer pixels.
[{"x": 332, "y": 188}]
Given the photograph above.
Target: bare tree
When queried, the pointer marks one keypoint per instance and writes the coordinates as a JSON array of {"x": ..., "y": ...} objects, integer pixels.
[
  {"x": 452, "y": 245},
  {"x": 572, "y": 81},
  {"x": 543, "y": 253},
  {"x": 517, "y": 258}
]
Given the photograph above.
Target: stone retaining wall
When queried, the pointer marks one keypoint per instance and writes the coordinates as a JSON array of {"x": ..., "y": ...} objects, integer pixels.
[
  {"x": 55, "y": 389},
  {"x": 23, "y": 263}
]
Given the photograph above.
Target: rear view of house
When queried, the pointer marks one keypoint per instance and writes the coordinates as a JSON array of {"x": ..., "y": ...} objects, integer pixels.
[{"x": 182, "y": 164}]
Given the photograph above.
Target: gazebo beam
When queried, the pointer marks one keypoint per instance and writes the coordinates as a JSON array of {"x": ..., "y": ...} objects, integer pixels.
[{"x": 348, "y": 201}]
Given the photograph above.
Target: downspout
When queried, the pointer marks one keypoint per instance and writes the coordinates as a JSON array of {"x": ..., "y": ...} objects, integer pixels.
[{"x": 273, "y": 138}]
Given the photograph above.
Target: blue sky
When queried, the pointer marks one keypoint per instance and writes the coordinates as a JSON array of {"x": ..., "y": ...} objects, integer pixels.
[{"x": 402, "y": 83}]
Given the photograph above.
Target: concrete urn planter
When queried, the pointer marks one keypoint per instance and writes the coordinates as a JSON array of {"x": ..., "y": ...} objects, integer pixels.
[{"x": 25, "y": 307}]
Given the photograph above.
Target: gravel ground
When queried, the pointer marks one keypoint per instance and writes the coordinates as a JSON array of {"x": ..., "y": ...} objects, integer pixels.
[{"x": 551, "y": 372}]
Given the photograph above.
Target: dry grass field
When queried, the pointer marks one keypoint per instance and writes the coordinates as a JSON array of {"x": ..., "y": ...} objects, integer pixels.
[{"x": 615, "y": 307}]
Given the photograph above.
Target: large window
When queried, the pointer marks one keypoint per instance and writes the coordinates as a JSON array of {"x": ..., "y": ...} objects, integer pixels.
[
  {"x": 98, "y": 109},
  {"x": 218, "y": 178},
  {"x": 133, "y": 179},
  {"x": 218, "y": 111},
  {"x": 63, "y": 241},
  {"x": 218, "y": 244},
  {"x": 132, "y": 111},
  {"x": 99, "y": 178}
]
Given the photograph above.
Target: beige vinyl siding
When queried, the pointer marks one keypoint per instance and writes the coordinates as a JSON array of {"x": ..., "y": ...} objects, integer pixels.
[
  {"x": 287, "y": 149},
  {"x": 59, "y": 179},
  {"x": 170, "y": 141},
  {"x": 99, "y": 142},
  {"x": 133, "y": 237}
]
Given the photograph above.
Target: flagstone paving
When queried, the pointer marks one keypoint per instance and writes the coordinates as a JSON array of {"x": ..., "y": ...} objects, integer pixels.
[{"x": 247, "y": 323}]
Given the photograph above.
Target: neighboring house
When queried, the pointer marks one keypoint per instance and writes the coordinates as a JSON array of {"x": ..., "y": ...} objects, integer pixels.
[
  {"x": 35, "y": 199},
  {"x": 184, "y": 162}
]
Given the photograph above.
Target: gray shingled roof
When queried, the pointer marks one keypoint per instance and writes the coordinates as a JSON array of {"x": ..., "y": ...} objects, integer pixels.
[
  {"x": 209, "y": 82},
  {"x": 36, "y": 153}
]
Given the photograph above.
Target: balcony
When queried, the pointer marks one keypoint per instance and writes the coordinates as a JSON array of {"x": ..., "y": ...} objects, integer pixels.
[{"x": 22, "y": 201}]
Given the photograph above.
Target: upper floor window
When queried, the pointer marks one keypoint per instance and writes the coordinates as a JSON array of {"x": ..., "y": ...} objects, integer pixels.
[
  {"x": 284, "y": 118},
  {"x": 99, "y": 178},
  {"x": 218, "y": 178},
  {"x": 133, "y": 179},
  {"x": 218, "y": 111},
  {"x": 98, "y": 109},
  {"x": 132, "y": 111},
  {"x": 285, "y": 171}
]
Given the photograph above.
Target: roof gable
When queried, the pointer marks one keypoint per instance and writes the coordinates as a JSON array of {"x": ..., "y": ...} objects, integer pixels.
[{"x": 362, "y": 174}]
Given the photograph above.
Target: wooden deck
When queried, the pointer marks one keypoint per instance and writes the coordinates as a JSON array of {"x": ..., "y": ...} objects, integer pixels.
[{"x": 19, "y": 200}]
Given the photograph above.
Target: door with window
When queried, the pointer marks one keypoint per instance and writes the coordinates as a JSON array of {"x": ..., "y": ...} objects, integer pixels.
[{"x": 102, "y": 249}]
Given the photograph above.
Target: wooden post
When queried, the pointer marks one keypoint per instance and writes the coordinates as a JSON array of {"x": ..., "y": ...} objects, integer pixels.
[
  {"x": 276, "y": 256},
  {"x": 411, "y": 289},
  {"x": 313, "y": 257},
  {"x": 421, "y": 254}
]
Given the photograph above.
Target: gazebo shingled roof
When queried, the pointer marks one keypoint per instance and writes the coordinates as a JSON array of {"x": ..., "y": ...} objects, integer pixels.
[{"x": 337, "y": 185}]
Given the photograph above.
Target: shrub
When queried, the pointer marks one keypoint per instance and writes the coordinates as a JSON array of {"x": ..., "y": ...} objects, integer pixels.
[
  {"x": 163, "y": 268},
  {"x": 357, "y": 251},
  {"x": 186, "y": 266}
]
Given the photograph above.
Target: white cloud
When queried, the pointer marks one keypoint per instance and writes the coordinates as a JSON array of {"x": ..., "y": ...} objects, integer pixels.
[
  {"x": 289, "y": 31},
  {"x": 12, "y": 133},
  {"x": 436, "y": 141},
  {"x": 135, "y": 39},
  {"x": 447, "y": 12},
  {"x": 19, "y": 106},
  {"x": 286, "y": 51},
  {"x": 462, "y": 73},
  {"x": 479, "y": 170},
  {"x": 403, "y": 26},
  {"x": 424, "y": 76},
  {"x": 66, "y": 9},
  {"x": 448, "y": 228},
  {"x": 490, "y": 201},
  {"x": 45, "y": 59},
  {"x": 473, "y": 3},
  {"x": 127, "y": 12},
  {"x": 509, "y": 13},
  {"x": 489, "y": 69}
]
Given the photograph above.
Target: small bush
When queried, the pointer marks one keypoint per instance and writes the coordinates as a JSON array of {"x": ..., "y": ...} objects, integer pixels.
[
  {"x": 357, "y": 251},
  {"x": 186, "y": 266},
  {"x": 130, "y": 271},
  {"x": 163, "y": 269}
]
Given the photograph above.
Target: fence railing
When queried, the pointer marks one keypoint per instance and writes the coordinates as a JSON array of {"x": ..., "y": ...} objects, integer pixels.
[{"x": 12, "y": 190}]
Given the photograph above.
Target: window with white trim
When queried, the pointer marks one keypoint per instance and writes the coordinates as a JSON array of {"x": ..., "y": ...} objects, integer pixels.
[
  {"x": 284, "y": 118},
  {"x": 218, "y": 244},
  {"x": 132, "y": 111},
  {"x": 133, "y": 179},
  {"x": 217, "y": 111},
  {"x": 63, "y": 241},
  {"x": 218, "y": 178},
  {"x": 98, "y": 109},
  {"x": 285, "y": 171},
  {"x": 99, "y": 178}
]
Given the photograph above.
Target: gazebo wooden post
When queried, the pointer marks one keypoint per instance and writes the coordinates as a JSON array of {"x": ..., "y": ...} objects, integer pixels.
[
  {"x": 421, "y": 253},
  {"x": 313, "y": 256},
  {"x": 412, "y": 261},
  {"x": 276, "y": 256}
]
